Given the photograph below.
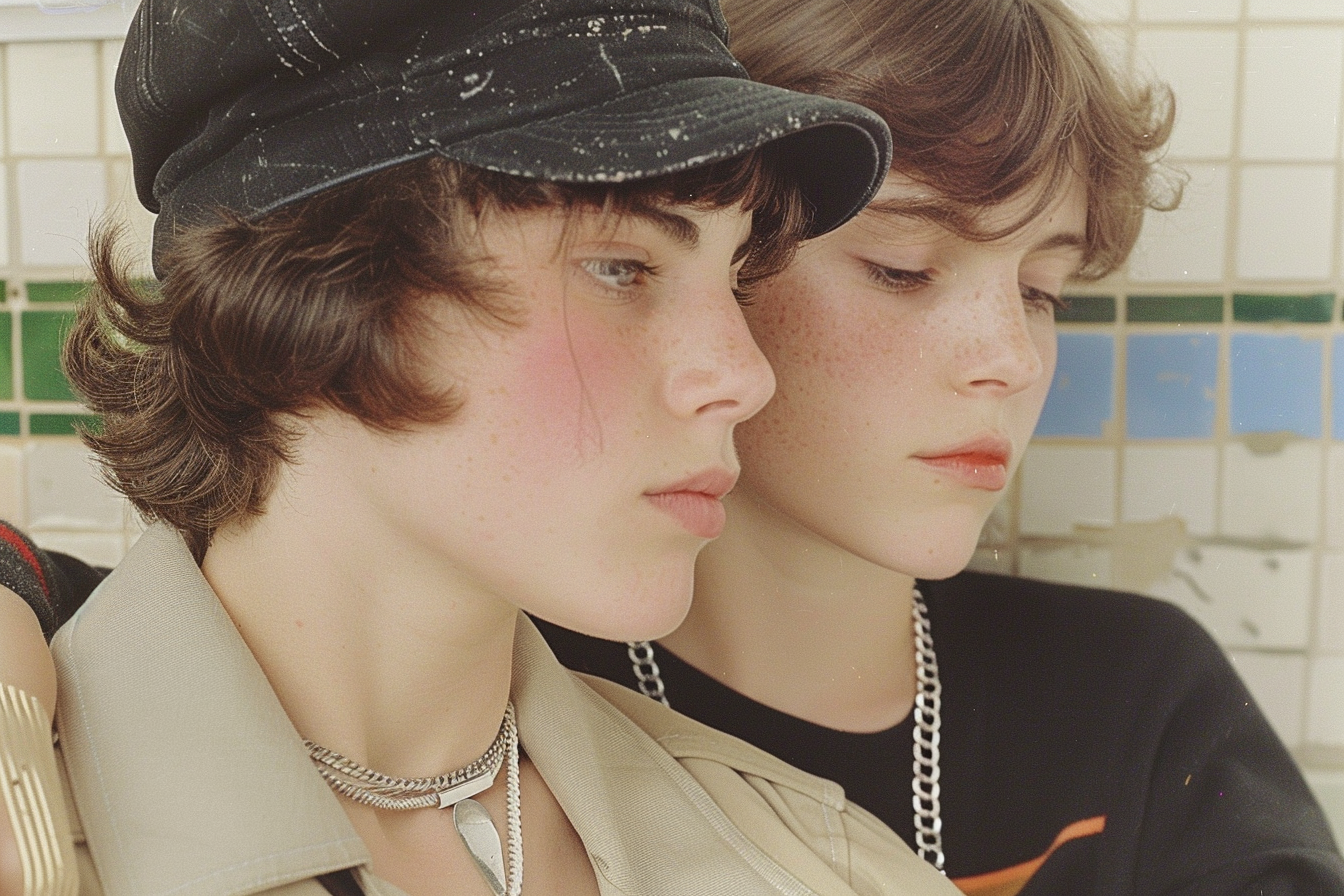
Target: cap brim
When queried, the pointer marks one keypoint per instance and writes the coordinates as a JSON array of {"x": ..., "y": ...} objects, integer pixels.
[{"x": 838, "y": 151}]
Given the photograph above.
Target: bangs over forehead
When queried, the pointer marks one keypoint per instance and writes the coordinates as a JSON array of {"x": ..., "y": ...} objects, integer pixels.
[{"x": 986, "y": 99}]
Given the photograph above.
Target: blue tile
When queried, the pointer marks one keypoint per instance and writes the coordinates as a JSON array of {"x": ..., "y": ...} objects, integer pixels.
[
  {"x": 1171, "y": 386},
  {"x": 1082, "y": 396},
  {"x": 1276, "y": 384},
  {"x": 1337, "y": 390}
]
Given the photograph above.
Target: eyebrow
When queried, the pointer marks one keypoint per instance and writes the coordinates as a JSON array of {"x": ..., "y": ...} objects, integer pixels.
[
  {"x": 681, "y": 230},
  {"x": 920, "y": 209}
]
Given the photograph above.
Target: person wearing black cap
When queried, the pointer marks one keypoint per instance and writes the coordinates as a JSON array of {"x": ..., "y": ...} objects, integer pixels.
[{"x": 445, "y": 328}]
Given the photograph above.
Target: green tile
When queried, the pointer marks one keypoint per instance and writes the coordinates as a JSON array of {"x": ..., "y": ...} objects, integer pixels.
[
  {"x": 1087, "y": 310},
  {"x": 1174, "y": 309},
  {"x": 4, "y": 291},
  {"x": 1307, "y": 309},
  {"x": 6, "y": 355},
  {"x": 9, "y": 423},
  {"x": 43, "y": 333},
  {"x": 63, "y": 291},
  {"x": 60, "y": 424}
]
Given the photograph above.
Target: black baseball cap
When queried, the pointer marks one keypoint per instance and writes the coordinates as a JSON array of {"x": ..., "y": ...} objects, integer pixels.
[{"x": 247, "y": 105}]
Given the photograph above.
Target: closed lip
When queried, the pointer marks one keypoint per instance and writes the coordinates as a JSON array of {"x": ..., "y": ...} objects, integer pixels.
[
  {"x": 979, "y": 463},
  {"x": 696, "y": 501},
  {"x": 714, "y": 483}
]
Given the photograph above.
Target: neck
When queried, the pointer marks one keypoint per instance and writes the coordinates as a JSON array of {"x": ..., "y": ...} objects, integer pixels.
[
  {"x": 794, "y": 621},
  {"x": 374, "y": 648}
]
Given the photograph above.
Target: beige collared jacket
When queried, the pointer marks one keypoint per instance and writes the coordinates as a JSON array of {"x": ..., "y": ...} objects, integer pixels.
[{"x": 188, "y": 778}]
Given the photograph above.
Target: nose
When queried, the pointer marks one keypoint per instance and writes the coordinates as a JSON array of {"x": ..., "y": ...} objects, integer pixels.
[
  {"x": 1000, "y": 349},
  {"x": 717, "y": 371}
]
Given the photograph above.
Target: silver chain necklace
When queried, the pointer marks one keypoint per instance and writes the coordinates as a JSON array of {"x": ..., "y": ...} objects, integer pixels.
[
  {"x": 927, "y": 715},
  {"x": 456, "y": 789}
]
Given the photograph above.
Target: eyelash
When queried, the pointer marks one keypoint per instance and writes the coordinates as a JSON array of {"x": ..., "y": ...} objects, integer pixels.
[
  {"x": 599, "y": 268},
  {"x": 899, "y": 280}
]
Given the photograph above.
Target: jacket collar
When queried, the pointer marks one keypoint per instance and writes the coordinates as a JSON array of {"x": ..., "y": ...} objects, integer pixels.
[{"x": 190, "y": 779}]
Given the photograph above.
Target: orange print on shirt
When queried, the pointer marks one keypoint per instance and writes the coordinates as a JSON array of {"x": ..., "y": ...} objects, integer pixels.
[{"x": 1010, "y": 881}]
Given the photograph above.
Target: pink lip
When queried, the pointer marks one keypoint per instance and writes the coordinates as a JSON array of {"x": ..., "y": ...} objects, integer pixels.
[
  {"x": 697, "y": 501},
  {"x": 980, "y": 463}
]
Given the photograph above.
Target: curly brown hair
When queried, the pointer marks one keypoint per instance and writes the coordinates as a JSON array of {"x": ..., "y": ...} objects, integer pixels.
[
  {"x": 322, "y": 303},
  {"x": 985, "y": 99}
]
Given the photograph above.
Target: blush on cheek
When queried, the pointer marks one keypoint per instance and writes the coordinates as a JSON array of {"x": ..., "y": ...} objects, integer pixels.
[{"x": 568, "y": 390}]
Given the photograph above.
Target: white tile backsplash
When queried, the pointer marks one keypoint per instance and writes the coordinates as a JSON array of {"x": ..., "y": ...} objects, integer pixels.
[
  {"x": 53, "y": 98},
  {"x": 11, "y": 484},
  {"x": 1246, "y": 597},
  {"x": 1280, "y": 10},
  {"x": 1072, "y": 564},
  {"x": 65, "y": 491},
  {"x": 1188, "y": 245},
  {"x": 5, "y": 235},
  {"x": 114, "y": 137},
  {"x": 1274, "y": 496},
  {"x": 1334, "y": 496},
  {"x": 1292, "y": 93},
  {"x": 1286, "y": 222},
  {"x": 1201, "y": 67},
  {"x": 1277, "y": 682},
  {"x": 1102, "y": 10},
  {"x": 1325, "y": 701},
  {"x": 1170, "y": 480},
  {"x": 1066, "y": 485},
  {"x": 57, "y": 199},
  {"x": 1330, "y": 605},
  {"x": 1189, "y": 10}
]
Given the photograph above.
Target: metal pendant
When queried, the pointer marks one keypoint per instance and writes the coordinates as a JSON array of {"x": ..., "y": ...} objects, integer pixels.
[{"x": 478, "y": 834}]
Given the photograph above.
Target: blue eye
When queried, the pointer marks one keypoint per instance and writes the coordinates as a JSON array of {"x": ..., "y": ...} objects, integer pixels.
[{"x": 617, "y": 273}]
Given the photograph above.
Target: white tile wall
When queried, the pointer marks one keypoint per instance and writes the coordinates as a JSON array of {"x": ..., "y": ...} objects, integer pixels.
[
  {"x": 1330, "y": 606},
  {"x": 114, "y": 138},
  {"x": 1076, "y": 564},
  {"x": 1248, "y": 598},
  {"x": 1277, "y": 682},
  {"x": 11, "y": 482},
  {"x": 1201, "y": 67},
  {"x": 57, "y": 199},
  {"x": 1325, "y": 697},
  {"x": 65, "y": 491},
  {"x": 1334, "y": 496},
  {"x": 1278, "y": 10},
  {"x": 1286, "y": 222},
  {"x": 1188, "y": 245},
  {"x": 1170, "y": 480},
  {"x": 1189, "y": 10},
  {"x": 1291, "y": 103},
  {"x": 56, "y": 112},
  {"x": 1064, "y": 486},
  {"x": 1275, "y": 496}
]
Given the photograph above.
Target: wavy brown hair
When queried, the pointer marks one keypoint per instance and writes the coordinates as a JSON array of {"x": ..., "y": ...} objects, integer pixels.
[
  {"x": 985, "y": 99},
  {"x": 323, "y": 303}
]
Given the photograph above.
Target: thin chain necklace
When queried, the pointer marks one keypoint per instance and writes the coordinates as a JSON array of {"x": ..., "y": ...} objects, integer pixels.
[
  {"x": 456, "y": 789},
  {"x": 927, "y": 717}
]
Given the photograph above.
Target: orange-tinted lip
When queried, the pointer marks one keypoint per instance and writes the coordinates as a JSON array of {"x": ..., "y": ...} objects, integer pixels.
[{"x": 980, "y": 463}]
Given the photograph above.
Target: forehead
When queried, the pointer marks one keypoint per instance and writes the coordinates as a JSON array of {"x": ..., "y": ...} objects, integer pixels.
[{"x": 904, "y": 201}]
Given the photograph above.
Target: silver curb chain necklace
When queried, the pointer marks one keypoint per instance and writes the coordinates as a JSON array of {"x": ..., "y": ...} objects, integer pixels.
[
  {"x": 927, "y": 717},
  {"x": 456, "y": 789}
]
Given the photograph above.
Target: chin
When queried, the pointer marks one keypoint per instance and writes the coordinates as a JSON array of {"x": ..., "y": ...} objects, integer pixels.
[
  {"x": 644, "y": 608},
  {"x": 934, "y": 546}
]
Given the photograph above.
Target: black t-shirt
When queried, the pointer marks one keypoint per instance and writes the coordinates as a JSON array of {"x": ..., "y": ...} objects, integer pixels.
[{"x": 1092, "y": 743}]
